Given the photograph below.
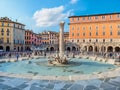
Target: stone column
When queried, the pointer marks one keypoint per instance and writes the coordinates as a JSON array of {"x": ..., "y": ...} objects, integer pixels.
[
  {"x": 61, "y": 39},
  {"x": 114, "y": 49}
]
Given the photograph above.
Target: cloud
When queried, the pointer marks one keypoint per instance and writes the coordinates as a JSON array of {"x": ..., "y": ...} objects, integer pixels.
[
  {"x": 50, "y": 16},
  {"x": 73, "y": 1}
]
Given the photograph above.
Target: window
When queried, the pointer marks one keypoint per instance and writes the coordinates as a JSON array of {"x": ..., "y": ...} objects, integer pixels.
[
  {"x": 72, "y": 19},
  {"x": 96, "y": 17},
  {"x": 73, "y": 34},
  {"x": 90, "y": 28},
  {"x": 8, "y": 25},
  {"x": 90, "y": 40},
  {"x": 84, "y": 34},
  {"x": 22, "y": 27},
  {"x": 83, "y": 40},
  {"x": 78, "y": 19},
  {"x": 7, "y": 33},
  {"x": 2, "y": 24},
  {"x": 110, "y": 16},
  {"x": 96, "y": 40},
  {"x": 72, "y": 28},
  {"x": 110, "y": 27},
  {"x": 96, "y": 27},
  {"x": 103, "y": 17},
  {"x": 118, "y": 26},
  {"x": 83, "y": 18},
  {"x": 77, "y": 34},
  {"x": 72, "y": 40},
  {"x": 77, "y": 40},
  {"x": 18, "y": 41},
  {"x": 103, "y": 33},
  {"x": 78, "y": 28},
  {"x": 89, "y": 18},
  {"x": 97, "y": 33},
  {"x": 83, "y": 28},
  {"x": 103, "y": 40},
  {"x": 118, "y": 15},
  {"x": 14, "y": 41},
  {"x": 1, "y": 40},
  {"x": 90, "y": 33},
  {"x": 110, "y": 32},
  {"x": 119, "y": 32},
  {"x": 14, "y": 25},
  {"x": 17, "y": 26},
  {"x": 2, "y": 32},
  {"x": 7, "y": 40},
  {"x": 7, "y": 30},
  {"x": 111, "y": 40}
]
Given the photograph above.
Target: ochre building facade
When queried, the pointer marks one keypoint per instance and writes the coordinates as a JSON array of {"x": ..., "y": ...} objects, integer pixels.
[
  {"x": 96, "y": 33},
  {"x": 12, "y": 35}
]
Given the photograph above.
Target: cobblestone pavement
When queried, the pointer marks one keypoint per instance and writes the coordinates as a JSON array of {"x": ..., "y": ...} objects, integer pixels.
[{"x": 9, "y": 83}]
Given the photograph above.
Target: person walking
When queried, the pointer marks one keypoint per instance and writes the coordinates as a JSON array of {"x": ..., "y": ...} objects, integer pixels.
[
  {"x": 9, "y": 56},
  {"x": 17, "y": 56},
  {"x": 29, "y": 56}
]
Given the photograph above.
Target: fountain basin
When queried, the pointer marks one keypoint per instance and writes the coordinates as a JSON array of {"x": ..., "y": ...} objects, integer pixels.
[{"x": 41, "y": 67}]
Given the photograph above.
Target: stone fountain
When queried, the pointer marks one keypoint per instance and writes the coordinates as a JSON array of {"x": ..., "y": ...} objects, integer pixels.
[{"x": 61, "y": 58}]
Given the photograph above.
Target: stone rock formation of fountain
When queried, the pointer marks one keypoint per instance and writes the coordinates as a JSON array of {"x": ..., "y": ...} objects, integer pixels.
[{"x": 60, "y": 59}]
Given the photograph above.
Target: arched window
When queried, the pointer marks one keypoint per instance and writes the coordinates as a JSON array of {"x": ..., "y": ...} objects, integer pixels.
[
  {"x": 7, "y": 30},
  {"x": 2, "y": 30},
  {"x": 90, "y": 34}
]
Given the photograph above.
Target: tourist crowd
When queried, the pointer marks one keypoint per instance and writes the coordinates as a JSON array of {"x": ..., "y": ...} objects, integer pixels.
[{"x": 67, "y": 53}]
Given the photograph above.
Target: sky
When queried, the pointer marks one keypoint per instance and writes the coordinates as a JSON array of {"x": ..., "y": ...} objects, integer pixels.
[{"x": 45, "y": 15}]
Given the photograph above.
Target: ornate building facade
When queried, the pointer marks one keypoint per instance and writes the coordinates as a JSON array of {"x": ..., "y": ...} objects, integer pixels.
[
  {"x": 50, "y": 40},
  {"x": 28, "y": 43},
  {"x": 31, "y": 40},
  {"x": 96, "y": 33},
  {"x": 12, "y": 35}
]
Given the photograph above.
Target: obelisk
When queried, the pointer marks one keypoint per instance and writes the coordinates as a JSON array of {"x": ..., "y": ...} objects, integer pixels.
[{"x": 61, "y": 39}]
